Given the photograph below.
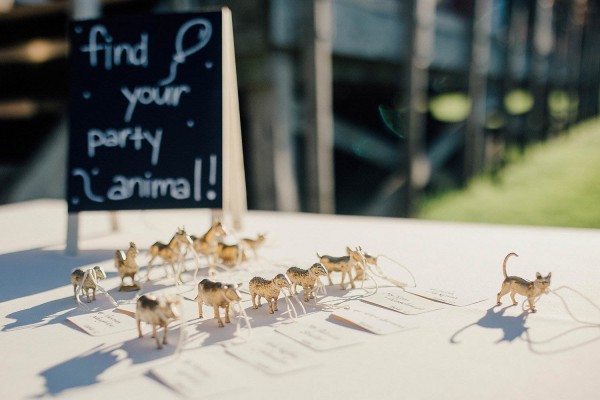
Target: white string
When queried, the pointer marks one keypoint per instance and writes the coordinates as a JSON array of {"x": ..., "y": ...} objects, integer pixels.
[
  {"x": 241, "y": 315},
  {"x": 182, "y": 329},
  {"x": 569, "y": 310},
  {"x": 382, "y": 275},
  {"x": 91, "y": 273}
]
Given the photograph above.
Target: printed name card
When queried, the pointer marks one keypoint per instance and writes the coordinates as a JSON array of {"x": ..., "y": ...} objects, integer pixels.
[
  {"x": 201, "y": 373},
  {"x": 452, "y": 297},
  {"x": 398, "y": 300},
  {"x": 373, "y": 319},
  {"x": 273, "y": 354},
  {"x": 318, "y": 334},
  {"x": 103, "y": 323}
]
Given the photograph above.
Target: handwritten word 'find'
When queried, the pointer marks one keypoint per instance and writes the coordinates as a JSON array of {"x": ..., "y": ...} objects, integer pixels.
[
  {"x": 99, "y": 40},
  {"x": 119, "y": 137}
]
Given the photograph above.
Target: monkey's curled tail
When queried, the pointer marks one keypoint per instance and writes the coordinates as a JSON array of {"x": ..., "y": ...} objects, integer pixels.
[{"x": 505, "y": 260}]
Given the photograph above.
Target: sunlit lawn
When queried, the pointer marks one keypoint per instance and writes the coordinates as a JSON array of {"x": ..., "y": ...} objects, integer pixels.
[{"x": 556, "y": 183}]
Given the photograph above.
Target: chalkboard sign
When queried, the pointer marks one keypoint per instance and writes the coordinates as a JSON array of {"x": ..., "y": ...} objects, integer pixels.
[{"x": 147, "y": 112}]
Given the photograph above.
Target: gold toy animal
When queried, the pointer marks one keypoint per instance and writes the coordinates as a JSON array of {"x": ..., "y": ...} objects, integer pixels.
[
  {"x": 208, "y": 244},
  {"x": 90, "y": 278},
  {"x": 268, "y": 289},
  {"x": 307, "y": 278},
  {"x": 231, "y": 254},
  {"x": 158, "y": 311},
  {"x": 215, "y": 295},
  {"x": 254, "y": 244},
  {"x": 343, "y": 264},
  {"x": 127, "y": 266},
  {"x": 515, "y": 284},
  {"x": 169, "y": 252},
  {"x": 369, "y": 259}
]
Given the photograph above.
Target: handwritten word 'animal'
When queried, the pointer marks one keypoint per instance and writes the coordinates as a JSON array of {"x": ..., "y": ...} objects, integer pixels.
[
  {"x": 343, "y": 264},
  {"x": 307, "y": 278},
  {"x": 86, "y": 280},
  {"x": 515, "y": 284},
  {"x": 126, "y": 265},
  {"x": 169, "y": 252},
  {"x": 158, "y": 311},
  {"x": 268, "y": 289},
  {"x": 215, "y": 295}
]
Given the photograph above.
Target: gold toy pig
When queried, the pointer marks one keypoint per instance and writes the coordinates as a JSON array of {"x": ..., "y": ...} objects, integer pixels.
[
  {"x": 215, "y": 295},
  {"x": 158, "y": 311}
]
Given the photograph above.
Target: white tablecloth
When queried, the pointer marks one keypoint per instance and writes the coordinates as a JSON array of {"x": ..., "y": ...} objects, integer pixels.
[{"x": 477, "y": 351}]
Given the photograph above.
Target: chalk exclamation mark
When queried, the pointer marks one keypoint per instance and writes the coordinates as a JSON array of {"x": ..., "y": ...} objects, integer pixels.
[
  {"x": 198, "y": 179},
  {"x": 212, "y": 177}
]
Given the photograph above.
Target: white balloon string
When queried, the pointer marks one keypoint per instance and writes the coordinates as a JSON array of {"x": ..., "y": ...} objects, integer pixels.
[
  {"x": 291, "y": 310},
  {"x": 567, "y": 306},
  {"x": 241, "y": 316},
  {"x": 392, "y": 280}
]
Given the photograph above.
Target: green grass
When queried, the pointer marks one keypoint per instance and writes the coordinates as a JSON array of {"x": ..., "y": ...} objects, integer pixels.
[{"x": 556, "y": 183}]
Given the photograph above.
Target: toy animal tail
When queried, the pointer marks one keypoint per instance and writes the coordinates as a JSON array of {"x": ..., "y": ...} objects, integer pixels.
[
  {"x": 318, "y": 255},
  {"x": 505, "y": 260}
]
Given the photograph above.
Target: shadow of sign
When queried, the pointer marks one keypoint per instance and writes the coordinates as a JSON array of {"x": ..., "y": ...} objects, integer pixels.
[{"x": 33, "y": 271}]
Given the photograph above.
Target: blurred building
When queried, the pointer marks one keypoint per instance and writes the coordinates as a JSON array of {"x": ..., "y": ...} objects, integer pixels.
[{"x": 348, "y": 106}]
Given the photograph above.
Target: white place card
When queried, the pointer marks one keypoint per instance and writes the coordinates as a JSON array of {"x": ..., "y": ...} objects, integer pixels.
[
  {"x": 273, "y": 354},
  {"x": 373, "y": 319},
  {"x": 318, "y": 334},
  {"x": 202, "y": 373},
  {"x": 448, "y": 296},
  {"x": 103, "y": 323},
  {"x": 398, "y": 300}
]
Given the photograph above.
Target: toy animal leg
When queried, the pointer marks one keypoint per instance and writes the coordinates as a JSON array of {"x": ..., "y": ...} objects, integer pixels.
[
  {"x": 87, "y": 294},
  {"x": 253, "y": 295},
  {"x": 199, "y": 300},
  {"x": 94, "y": 293},
  {"x": 75, "y": 291},
  {"x": 218, "y": 317},
  {"x": 275, "y": 304},
  {"x": 349, "y": 272},
  {"x": 149, "y": 267},
  {"x": 342, "y": 286},
  {"x": 311, "y": 292},
  {"x": 329, "y": 278},
  {"x": 512, "y": 296},
  {"x": 531, "y": 304},
  {"x": 259, "y": 296},
  {"x": 503, "y": 290},
  {"x": 154, "y": 335},
  {"x": 305, "y": 293},
  {"x": 270, "y": 306},
  {"x": 166, "y": 331},
  {"x": 139, "y": 323},
  {"x": 294, "y": 288},
  {"x": 227, "y": 320}
]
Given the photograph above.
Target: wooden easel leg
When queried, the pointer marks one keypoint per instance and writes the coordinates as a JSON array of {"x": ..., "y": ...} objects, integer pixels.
[{"x": 72, "y": 247}]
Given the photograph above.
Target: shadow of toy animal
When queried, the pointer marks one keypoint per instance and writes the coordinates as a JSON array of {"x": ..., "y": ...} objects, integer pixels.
[{"x": 512, "y": 327}]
